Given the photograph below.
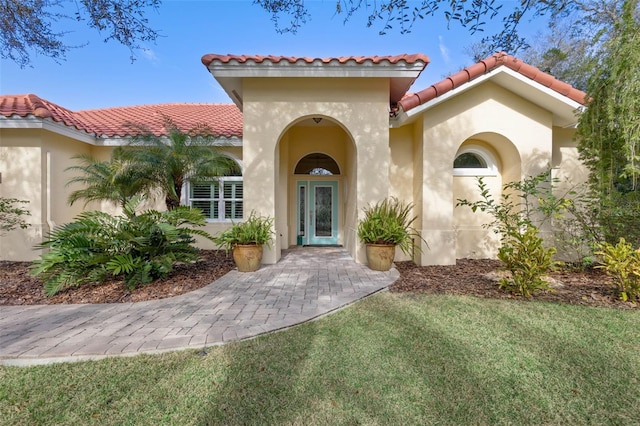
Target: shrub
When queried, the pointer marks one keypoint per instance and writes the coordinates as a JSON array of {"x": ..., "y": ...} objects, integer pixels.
[
  {"x": 525, "y": 256},
  {"x": 389, "y": 222},
  {"x": 622, "y": 262},
  {"x": 618, "y": 217},
  {"x": 593, "y": 220},
  {"x": 139, "y": 247},
  {"x": 524, "y": 207},
  {"x": 578, "y": 233},
  {"x": 530, "y": 202}
]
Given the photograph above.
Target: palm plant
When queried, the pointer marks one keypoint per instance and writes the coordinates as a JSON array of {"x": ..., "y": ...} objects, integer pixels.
[
  {"x": 140, "y": 247},
  {"x": 116, "y": 180},
  {"x": 170, "y": 161}
]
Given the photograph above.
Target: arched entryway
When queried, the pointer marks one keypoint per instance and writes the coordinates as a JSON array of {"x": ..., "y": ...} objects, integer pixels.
[{"x": 317, "y": 187}]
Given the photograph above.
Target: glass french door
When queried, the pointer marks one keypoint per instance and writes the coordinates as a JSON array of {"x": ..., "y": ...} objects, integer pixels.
[{"x": 317, "y": 212}]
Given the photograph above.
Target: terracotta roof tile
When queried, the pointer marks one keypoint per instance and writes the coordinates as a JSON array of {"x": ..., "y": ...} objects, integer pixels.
[
  {"x": 483, "y": 67},
  {"x": 208, "y": 59},
  {"x": 223, "y": 119}
]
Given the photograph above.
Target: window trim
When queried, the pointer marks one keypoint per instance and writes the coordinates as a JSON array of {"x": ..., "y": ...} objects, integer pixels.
[
  {"x": 221, "y": 201},
  {"x": 484, "y": 154}
]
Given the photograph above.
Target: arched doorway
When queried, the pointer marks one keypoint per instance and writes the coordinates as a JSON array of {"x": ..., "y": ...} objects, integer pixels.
[{"x": 316, "y": 188}]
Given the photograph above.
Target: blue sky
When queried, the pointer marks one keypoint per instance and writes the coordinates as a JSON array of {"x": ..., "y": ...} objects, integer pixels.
[{"x": 101, "y": 75}]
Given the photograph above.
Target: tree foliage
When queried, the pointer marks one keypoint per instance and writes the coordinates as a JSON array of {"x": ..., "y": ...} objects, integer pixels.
[
  {"x": 570, "y": 47},
  {"x": 116, "y": 180},
  {"x": 609, "y": 128},
  {"x": 167, "y": 162},
  {"x": 565, "y": 56},
  {"x": 28, "y": 26},
  {"x": 402, "y": 15},
  {"x": 12, "y": 214}
]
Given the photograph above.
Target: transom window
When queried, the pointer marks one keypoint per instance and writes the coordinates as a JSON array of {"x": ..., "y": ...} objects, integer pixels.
[
  {"x": 474, "y": 160},
  {"x": 220, "y": 199},
  {"x": 317, "y": 164}
]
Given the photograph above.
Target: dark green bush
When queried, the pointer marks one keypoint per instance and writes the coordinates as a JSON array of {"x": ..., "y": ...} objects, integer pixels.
[
  {"x": 140, "y": 247},
  {"x": 618, "y": 217}
]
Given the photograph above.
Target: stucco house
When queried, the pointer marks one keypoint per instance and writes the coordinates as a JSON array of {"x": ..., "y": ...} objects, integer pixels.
[{"x": 317, "y": 140}]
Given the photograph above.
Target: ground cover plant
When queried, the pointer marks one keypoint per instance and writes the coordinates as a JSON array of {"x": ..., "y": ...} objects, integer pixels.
[{"x": 391, "y": 359}]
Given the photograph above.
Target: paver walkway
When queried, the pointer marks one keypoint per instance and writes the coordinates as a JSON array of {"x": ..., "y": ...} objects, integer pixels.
[{"x": 304, "y": 284}]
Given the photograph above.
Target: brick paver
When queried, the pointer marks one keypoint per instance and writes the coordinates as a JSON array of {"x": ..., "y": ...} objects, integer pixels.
[{"x": 304, "y": 284}]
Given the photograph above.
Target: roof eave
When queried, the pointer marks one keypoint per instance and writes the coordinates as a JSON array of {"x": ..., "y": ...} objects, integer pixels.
[
  {"x": 33, "y": 122},
  {"x": 230, "y": 73},
  {"x": 220, "y": 141},
  {"x": 563, "y": 108}
]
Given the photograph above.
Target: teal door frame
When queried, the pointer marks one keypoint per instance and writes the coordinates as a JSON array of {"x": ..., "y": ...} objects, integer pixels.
[{"x": 317, "y": 223}]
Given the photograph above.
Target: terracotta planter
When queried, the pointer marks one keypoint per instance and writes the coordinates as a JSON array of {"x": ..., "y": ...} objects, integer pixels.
[
  {"x": 380, "y": 256},
  {"x": 247, "y": 257}
]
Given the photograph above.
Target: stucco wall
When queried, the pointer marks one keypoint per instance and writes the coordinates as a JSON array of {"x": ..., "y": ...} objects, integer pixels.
[
  {"x": 61, "y": 151},
  {"x": 566, "y": 164},
  {"x": 473, "y": 239},
  {"x": 22, "y": 178},
  {"x": 271, "y": 106},
  {"x": 33, "y": 164},
  {"x": 401, "y": 171},
  {"x": 33, "y": 167},
  {"x": 486, "y": 112}
]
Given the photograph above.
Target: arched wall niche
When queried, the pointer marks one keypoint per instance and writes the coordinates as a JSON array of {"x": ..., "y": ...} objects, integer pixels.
[{"x": 501, "y": 163}]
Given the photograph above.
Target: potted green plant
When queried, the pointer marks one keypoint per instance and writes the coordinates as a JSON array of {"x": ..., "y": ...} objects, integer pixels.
[
  {"x": 246, "y": 240},
  {"x": 387, "y": 225}
]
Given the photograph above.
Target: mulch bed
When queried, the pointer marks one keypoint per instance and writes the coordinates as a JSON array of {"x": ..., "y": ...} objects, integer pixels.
[
  {"x": 591, "y": 287},
  {"x": 468, "y": 277},
  {"x": 18, "y": 287}
]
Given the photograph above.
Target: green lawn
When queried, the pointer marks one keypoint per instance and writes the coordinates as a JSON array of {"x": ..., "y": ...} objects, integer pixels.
[{"x": 391, "y": 359}]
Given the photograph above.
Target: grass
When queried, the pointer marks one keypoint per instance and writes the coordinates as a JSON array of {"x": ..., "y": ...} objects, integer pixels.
[{"x": 391, "y": 359}]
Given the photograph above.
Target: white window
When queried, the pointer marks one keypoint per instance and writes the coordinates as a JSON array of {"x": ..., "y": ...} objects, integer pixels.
[
  {"x": 474, "y": 160},
  {"x": 219, "y": 200}
]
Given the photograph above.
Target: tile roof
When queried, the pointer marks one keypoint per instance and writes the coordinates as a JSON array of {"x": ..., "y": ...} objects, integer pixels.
[
  {"x": 410, "y": 59},
  {"x": 223, "y": 119},
  {"x": 484, "y": 67}
]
